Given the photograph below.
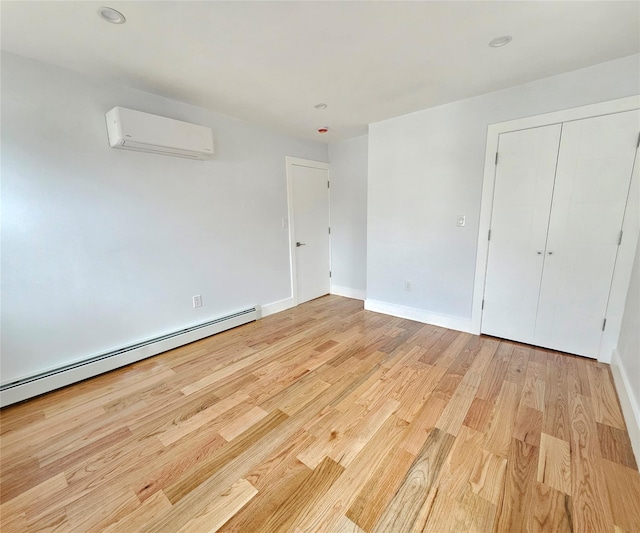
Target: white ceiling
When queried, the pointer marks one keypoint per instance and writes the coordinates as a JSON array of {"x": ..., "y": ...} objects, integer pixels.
[{"x": 270, "y": 62}]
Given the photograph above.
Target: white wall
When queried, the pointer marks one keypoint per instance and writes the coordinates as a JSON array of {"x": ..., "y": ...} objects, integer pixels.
[
  {"x": 425, "y": 168},
  {"x": 628, "y": 357},
  {"x": 349, "y": 217},
  {"x": 629, "y": 342},
  {"x": 103, "y": 247}
]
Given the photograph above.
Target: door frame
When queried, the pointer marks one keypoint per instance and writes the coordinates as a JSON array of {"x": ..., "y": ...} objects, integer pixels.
[
  {"x": 630, "y": 226},
  {"x": 290, "y": 162}
]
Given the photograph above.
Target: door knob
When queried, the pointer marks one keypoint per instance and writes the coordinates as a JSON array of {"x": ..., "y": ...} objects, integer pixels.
[
  {"x": 550, "y": 253},
  {"x": 298, "y": 244},
  {"x": 539, "y": 253}
]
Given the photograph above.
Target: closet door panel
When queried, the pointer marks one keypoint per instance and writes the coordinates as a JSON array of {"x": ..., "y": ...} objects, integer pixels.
[
  {"x": 519, "y": 221},
  {"x": 592, "y": 183}
]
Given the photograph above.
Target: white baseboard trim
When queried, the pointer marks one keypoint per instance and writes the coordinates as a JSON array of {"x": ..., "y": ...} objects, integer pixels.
[
  {"x": 348, "y": 292},
  {"x": 276, "y": 307},
  {"x": 31, "y": 386},
  {"x": 419, "y": 315},
  {"x": 628, "y": 402}
]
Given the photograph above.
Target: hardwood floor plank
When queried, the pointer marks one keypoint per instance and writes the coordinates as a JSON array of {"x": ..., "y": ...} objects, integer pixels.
[
  {"x": 498, "y": 438},
  {"x": 410, "y": 500},
  {"x": 555, "y": 418},
  {"x": 17, "y": 505},
  {"x": 180, "y": 488},
  {"x": 478, "y": 415},
  {"x": 378, "y": 491},
  {"x": 328, "y": 436},
  {"x": 311, "y": 490},
  {"x": 242, "y": 423},
  {"x": 451, "y": 352},
  {"x": 221, "y": 509},
  {"x": 551, "y": 511},
  {"x": 516, "y": 370},
  {"x": 493, "y": 379},
  {"x": 348, "y": 448},
  {"x": 433, "y": 352},
  {"x": 422, "y": 424},
  {"x": 591, "y": 510},
  {"x": 172, "y": 463},
  {"x": 136, "y": 520},
  {"x": 604, "y": 397},
  {"x": 456, "y": 410},
  {"x": 554, "y": 464},
  {"x": 623, "y": 487},
  {"x": 419, "y": 391},
  {"x": 345, "y": 526},
  {"x": 456, "y": 472},
  {"x": 528, "y": 425},
  {"x": 277, "y": 480},
  {"x": 488, "y": 477},
  {"x": 343, "y": 493},
  {"x": 616, "y": 446},
  {"x": 108, "y": 505},
  {"x": 534, "y": 386},
  {"x": 189, "y": 424},
  {"x": 516, "y": 505}
]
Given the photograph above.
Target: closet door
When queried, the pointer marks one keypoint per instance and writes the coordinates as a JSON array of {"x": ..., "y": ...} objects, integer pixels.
[
  {"x": 521, "y": 205},
  {"x": 592, "y": 184}
]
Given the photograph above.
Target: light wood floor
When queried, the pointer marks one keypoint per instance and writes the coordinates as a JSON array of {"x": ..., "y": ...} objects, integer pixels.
[{"x": 327, "y": 418}]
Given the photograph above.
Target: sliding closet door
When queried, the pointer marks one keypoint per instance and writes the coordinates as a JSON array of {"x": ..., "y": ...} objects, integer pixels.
[
  {"x": 521, "y": 204},
  {"x": 592, "y": 183}
]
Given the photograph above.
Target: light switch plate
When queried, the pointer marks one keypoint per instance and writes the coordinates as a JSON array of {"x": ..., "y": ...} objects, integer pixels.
[{"x": 461, "y": 220}]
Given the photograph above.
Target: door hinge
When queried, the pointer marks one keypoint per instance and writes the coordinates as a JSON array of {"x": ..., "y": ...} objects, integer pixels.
[
  {"x": 638, "y": 145},
  {"x": 482, "y": 304},
  {"x": 329, "y": 231},
  {"x": 620, "y": 238},
  {"x": 489, "y": 236},
  {"x": 328, "y": 186},
  {"x": 329, "y": 273},
  {"x": 496, "y": 158},
  {"x": 604, "y": 324}
]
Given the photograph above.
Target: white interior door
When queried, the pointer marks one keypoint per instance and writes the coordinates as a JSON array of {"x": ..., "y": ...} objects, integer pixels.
[
  {"x": 521, "y": 204},
  {"x": 310, "y": 198},
  {"x": 595, "y": 164}
]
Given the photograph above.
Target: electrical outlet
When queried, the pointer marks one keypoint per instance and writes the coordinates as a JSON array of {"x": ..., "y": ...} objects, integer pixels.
[
  {"x": 197, "y": 301},
  {"x": 408, "y": 286},
  {"x": 461, "y": 220}
]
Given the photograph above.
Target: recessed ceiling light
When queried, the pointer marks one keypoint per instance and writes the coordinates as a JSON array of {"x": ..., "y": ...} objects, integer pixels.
[
  {"x": 500, "y": 41},
  {"x": 111, "y": 15},
  {"x": 320, "y": 106}
]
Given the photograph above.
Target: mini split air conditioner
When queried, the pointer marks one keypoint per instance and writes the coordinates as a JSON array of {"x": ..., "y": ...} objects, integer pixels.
[{"x": 143, "y": 132}]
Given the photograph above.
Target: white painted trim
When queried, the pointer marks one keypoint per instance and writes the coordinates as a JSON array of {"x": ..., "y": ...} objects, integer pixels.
[
  {"x": 419, "y": 315},
  {"x": 348, "y": 292},
  {"x": 73, "y": 374},
  {"x": 622, "y": 274},
  {"x": 276, "y": 307},
  {"x": 629, "y": 404},
  {"x": 290, "y": 162}
]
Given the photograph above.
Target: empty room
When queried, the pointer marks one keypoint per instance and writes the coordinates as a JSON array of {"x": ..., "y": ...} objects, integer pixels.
[{"x": 320, "y": 266}]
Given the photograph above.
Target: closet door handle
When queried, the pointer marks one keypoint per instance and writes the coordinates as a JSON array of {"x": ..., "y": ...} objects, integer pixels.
[
  {"x": 539, "y": 253},
  {"x": 550, "y": 253}
]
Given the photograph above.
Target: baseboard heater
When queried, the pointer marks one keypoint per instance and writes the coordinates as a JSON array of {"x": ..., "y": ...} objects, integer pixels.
[{"x": 50, "y": 380}]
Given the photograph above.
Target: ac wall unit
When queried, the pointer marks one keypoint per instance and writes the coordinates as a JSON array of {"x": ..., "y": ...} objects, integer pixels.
[{"x": 144, "y": 132}]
